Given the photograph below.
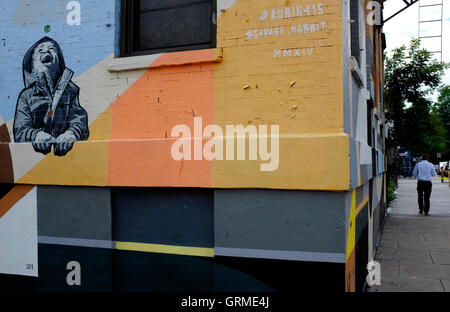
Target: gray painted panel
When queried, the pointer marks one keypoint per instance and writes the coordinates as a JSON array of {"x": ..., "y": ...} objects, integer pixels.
[
  {"x": 359, "y": 196},
  {"x": 346, "y": 65},
  {"x": 355, "y": 106},
  {"x": 369, "y": 54},
  {"x": 169, "y": 216},
  {"x": 366, "y": 173},
  {"x": 365, "y": 190},
  {"x": 280, "y": 220},
  {"x": 354, "y": 148},
  {"x": 374, "y": 194},
  {"x": 348, "y": 205},
  {"x": 281, "y": 254},
  {"x": 376, "y": 226},
  {"x": 74, "y": 212},
  {"x": 361, "y": 221}
]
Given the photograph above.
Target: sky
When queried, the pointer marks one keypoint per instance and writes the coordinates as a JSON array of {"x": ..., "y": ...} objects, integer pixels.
[{"x": 405, "y": 26}]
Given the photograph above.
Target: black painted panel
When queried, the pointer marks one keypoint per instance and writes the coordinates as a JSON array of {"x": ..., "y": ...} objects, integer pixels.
[
  {"x": 123, "y": 271},
  {"x": 95, "y": 265},
  {"x": 168, "y": 24},
  {"x": 354, "y": 15},
  {"x": 172, "y": 216}
]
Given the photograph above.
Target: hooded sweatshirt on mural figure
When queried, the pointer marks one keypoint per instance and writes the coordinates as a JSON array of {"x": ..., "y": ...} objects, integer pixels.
[{"x": 48, "y": 111}]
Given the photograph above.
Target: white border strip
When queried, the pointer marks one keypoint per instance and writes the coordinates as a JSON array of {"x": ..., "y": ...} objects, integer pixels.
[
  {"x": 281, "y": 254},
  {"x": 80, "y": 242},
  {"x": 218, "y": 251}
]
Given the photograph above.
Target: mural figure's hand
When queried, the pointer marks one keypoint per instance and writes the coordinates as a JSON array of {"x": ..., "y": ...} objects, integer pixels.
[
  {"x": 64, "y": 143},
  {"x": 43, "y": 142}
]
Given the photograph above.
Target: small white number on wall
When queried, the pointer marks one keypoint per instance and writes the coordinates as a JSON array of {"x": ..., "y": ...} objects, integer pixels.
[{"x": 74, "y": 16}]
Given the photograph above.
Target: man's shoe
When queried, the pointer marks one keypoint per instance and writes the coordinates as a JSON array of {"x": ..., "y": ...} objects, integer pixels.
[
  {"x": 420, "y": 212},
  {"x": 427, "y": 214}
]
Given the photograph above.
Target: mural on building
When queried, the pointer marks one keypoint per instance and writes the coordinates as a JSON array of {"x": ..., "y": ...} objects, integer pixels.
[
  {"x": 274, "y": 65},
  {"x": 48, "y": 111},
  {"x": 292, "y": 77}
]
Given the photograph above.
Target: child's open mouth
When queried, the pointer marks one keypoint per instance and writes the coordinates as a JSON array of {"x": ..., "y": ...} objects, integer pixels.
[{"x": 48, "y": 59}]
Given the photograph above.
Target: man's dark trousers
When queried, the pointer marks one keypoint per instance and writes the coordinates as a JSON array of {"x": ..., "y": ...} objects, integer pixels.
[{"x": 424, "y": 192}]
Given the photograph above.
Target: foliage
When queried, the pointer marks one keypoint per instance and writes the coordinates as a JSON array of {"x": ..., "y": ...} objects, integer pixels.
[
  {"x": 441, "y": 111},
  {"x": 411, "y": 75},
  {"x": 391, "y": 195}
]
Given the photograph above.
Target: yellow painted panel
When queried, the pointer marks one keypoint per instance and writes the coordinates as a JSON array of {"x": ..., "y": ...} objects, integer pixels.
[
  {"x": 271, "y": 74},
  {"x": 167, "y": 249},
  {"x": 101, "y": 128},
  {"x": 314, "y": 104},
  {"x": 309, "y": 162},
  {"x": 351, "y": 226},
  {"x": 85, "y": 164}
]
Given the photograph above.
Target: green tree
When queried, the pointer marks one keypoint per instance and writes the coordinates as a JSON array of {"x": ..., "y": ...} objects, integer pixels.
[
  {"x": 411, "y": 75},
  {"x": 442, "y": 112}
]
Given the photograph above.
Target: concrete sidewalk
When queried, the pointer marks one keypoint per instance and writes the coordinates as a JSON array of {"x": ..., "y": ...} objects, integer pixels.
[{"x": 414, "y": 250}]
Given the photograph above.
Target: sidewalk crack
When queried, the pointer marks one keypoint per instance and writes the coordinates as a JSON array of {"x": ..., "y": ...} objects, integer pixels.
[
  {"x": 432, "y": 260},
  {"x": 423, "y": 236},
  {"x": 442, "y": 284}
]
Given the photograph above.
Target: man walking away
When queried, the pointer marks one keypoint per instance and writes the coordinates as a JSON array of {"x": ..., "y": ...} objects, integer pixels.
[{"x": 424, "y": 172}]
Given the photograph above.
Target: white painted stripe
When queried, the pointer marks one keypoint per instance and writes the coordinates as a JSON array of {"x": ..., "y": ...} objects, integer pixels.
[
  {"x": 223, "y": 5},
  {"x": 18, "y": 237},
  {"x": 132, "y": 63},
  {"x": 281, "y": 254},
  {"x": 79, "y": 242},
  {"x": 24, "y": 157}
]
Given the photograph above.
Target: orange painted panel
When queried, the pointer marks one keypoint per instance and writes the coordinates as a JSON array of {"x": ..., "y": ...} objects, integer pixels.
[
  {"x": 161, "y": 99},
  {"x": 350, "y": 273},
  {"x": 185, "y": 58},
  {"x": 148, "y": 162},
  {"x": 13, "y": 196}
]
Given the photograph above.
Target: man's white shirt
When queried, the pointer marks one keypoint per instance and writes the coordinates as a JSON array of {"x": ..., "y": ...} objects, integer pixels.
[{"x": 424, "y": 171}]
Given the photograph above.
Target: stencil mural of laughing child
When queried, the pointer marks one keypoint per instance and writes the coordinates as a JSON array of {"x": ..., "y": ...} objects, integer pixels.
[{"x": 48, "y": 111}]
